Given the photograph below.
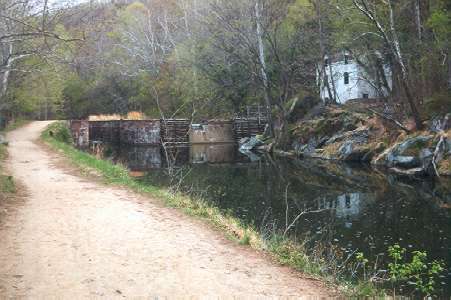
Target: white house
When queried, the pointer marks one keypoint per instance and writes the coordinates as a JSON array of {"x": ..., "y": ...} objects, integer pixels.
[{"x": 348, "y": 80}]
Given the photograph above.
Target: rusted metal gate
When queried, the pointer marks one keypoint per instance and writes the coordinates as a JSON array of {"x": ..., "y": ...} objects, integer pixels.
[
  {"x": 251, "y": 123},
  {"x": 248, "y": 128},
  {"x": 175, "y": 131}
]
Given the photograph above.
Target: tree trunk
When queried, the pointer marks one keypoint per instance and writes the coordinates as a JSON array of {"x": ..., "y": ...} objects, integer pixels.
[
  {"x": 413, "y": 107},
  {"x": 324, "y": 78},
  {"x": 404, "y": 73},
  {"x": 418, "y": 19},
  {"x": 7, "y": 71},
  {"x": 449, "y": 71},
  {"x": 262, "y": 60}
]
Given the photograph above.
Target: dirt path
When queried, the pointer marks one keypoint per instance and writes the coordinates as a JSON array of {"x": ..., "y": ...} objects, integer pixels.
[{"x": 70, "y": 238}]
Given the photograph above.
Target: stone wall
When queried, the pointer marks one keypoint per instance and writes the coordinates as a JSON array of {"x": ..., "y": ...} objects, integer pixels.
[
  {"x": 140, "y": 132},
  {"x": 104, "y": 131}
]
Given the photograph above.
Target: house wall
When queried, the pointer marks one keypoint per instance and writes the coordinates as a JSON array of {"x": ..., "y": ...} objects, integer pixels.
[{"x": 358, "y": 82}]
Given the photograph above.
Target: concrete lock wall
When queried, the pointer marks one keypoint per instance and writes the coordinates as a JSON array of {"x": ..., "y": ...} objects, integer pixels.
[
  {"x": 212, "y": 132},
  {"x": 104, "y": 131},
  {"x": 80, "y": 133},
  {"x": 146, "y": 132}
]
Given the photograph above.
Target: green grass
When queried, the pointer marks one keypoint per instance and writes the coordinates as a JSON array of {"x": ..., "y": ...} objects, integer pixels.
[
  {"x": 280, "y": 248},
  {"x": 3, "y": 152},
  {"x": 7, "y": 185}
]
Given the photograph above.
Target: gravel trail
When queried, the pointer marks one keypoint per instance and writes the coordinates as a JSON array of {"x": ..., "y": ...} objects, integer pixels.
[{"x": 72, "y": 238}]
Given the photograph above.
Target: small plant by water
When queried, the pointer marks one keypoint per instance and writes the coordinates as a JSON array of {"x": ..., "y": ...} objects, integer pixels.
[{"x": 417, "y": 272}]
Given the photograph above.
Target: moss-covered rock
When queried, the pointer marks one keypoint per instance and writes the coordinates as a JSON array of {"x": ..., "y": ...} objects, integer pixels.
[
  {"x": 340, "y": 133},
  {"x": 444, "y": 167}
]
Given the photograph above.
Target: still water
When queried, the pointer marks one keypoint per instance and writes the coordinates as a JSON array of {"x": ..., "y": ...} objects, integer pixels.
[{"x": 356, "y": 208}]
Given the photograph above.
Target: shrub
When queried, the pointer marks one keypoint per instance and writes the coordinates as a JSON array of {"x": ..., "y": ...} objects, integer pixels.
[
  {"x": 417, "y": 273},
  {"x": 60, "y": 132}
]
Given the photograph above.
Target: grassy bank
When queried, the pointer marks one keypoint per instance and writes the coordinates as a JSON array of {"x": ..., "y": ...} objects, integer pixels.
[
  {"x": 274, "y": 243},
  {"x": 7, "y": 185}
]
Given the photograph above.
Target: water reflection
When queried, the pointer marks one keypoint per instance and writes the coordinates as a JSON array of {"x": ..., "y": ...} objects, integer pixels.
[
  {"x": 141, "y": 158},
  {"x": 356, "y": 208},
  {"x": 145, "y": 158},
  {"x": 213, "y": 153}
]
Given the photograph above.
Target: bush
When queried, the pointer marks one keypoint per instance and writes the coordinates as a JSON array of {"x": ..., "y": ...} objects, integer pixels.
[{"x": 60, "y": 132}]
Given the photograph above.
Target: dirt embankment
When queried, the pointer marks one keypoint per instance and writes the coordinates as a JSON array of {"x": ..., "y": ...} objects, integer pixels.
[{"x": 71, "y": 238}]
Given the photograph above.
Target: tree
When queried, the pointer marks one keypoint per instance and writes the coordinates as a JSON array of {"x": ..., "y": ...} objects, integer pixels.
[{"x": 26, "y": 29}]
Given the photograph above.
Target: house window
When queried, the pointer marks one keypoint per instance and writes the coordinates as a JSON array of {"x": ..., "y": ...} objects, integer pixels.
[
  {"x": 346, "y": 77},
  {"x": 348, "y": 201},
  {"x": 365, "y": 96}
]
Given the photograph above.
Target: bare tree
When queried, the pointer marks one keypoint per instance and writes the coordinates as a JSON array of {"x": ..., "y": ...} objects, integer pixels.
[
  {"x": 389, "y": 35},
  {"x": 25, "y": 30}
]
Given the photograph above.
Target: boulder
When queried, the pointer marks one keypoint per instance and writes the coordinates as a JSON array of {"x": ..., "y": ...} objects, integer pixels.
[
  {"x": 349, "y": 146},
  {"x": 346, "y": 150},
  {"x": 251, "y": 155},
  {"x": 250, "y": 144},
  {"x": 406, "y": 162},
  {"x": 358, "y": 135},
  {"x": 425, "y": 157},
  {"x": 306, "y": 149},
  {"x": 414, "y": 172},
  {"x": 412, "y": 142},
  {"x": 396, "y": 154},
  {"x": 243, "y": 140}
]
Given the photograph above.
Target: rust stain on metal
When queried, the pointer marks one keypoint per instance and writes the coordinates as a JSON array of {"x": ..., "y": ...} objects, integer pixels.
[{"x": 80, "y": 133}]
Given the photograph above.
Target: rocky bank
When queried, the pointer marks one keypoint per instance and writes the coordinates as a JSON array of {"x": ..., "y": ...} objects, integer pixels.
[{"x": 362, "y": 134}]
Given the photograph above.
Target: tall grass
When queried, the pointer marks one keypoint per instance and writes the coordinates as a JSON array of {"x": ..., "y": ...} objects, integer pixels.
[{"x": 7, "y": 184}]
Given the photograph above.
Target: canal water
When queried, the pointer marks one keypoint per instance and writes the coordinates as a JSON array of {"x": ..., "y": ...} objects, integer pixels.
[{"x": 354, "y": 208}]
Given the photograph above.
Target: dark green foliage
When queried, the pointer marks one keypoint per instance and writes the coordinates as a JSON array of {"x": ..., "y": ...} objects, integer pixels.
[
  {"x": 417, "y": 272},
  {"x": 60, "y": 132}
]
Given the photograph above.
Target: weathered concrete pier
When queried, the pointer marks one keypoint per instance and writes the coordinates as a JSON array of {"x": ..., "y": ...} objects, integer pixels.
[
  {"x": 212, "y": 132},
  {"x": 168, "y": 132}
]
